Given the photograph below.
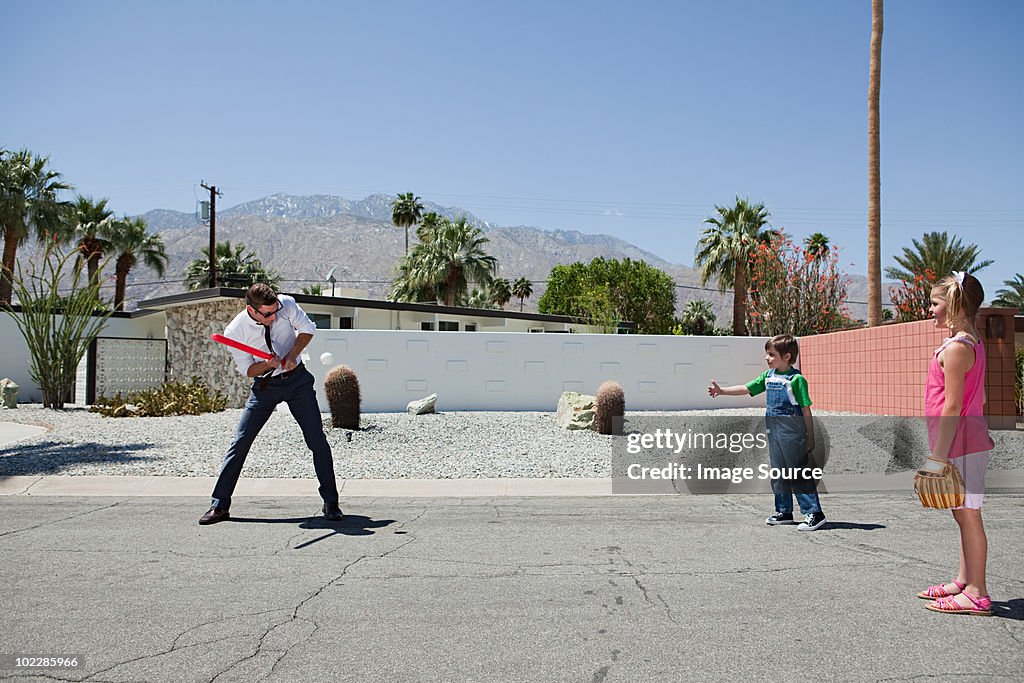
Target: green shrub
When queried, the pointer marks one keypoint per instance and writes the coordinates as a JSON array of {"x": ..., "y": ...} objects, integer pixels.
[{"x": 173, "y": 398}]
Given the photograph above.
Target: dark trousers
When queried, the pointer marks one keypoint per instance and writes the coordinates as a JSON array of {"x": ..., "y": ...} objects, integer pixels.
[{"x": 297, "y": 391}]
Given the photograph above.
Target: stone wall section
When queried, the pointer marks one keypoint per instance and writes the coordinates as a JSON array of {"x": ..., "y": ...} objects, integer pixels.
[{"x": 191, "y": 352}]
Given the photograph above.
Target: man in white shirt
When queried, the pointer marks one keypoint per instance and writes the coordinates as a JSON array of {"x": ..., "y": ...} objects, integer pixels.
[{"x": 275, "y": 323}]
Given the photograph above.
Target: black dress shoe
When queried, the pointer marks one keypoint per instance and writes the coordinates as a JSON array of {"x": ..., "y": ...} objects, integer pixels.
[
  {"x": 214, "y": 515},
  {"x": 332, "y": 512}
]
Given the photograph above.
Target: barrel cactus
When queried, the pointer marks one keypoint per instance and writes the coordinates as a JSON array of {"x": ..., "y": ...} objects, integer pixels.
[
  {"x": 342, "y": 389},
  {"x": 610, "y": 404}
]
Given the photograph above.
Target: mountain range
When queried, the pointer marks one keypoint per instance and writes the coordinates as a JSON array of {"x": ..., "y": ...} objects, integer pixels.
[{"x": 304, "y": 237}]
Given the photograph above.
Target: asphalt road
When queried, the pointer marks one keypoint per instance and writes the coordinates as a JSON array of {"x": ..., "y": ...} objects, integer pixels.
[{"x": 610, "y": 588}]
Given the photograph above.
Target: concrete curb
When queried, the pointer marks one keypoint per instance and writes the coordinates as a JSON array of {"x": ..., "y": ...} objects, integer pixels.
[{"x": 998, "y": 481}]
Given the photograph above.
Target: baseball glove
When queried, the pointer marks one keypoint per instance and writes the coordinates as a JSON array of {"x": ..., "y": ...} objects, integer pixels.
[{"x": 941, "y": 490}]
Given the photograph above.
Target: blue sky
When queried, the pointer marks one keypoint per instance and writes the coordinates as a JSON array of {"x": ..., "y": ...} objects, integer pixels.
[{"x": 631, "y": 119}]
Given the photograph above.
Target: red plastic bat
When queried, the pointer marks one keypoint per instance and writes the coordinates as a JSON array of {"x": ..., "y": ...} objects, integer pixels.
[{"x": 227, "y": 341}]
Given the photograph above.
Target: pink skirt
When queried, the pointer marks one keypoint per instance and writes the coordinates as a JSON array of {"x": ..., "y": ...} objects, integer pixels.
[{"x": 972, "y": 470}]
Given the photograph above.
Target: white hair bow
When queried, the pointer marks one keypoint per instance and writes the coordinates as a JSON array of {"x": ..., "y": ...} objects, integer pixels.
[{"x": 959, "y": 275}]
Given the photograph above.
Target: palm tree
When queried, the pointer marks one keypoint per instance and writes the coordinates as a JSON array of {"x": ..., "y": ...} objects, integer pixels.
[
  {"x": 874, "y": 172},
  {"x": 1012, "y": 297},
  {"x": 480, "y": 298},
  {"x": 236, "y": 267},
  {"x": 501, "y": 292},
  {"x": 409, "y": 284},
  {"x": 92, "y": 231},
  {"x": 447, "y": 262},
  {"x": 428, "y": 226},
  {"x": 936, "y": 253},
  {"x": 132, "y": 242},
  {"x": 725, "y": 248},
  {"x": 406, "y": 211},
  {"x": 522, "y": 289},
  {"x": 817, "y": 245},
  {"x": 698, "y": 317},
  {"x": 28, "y": 204},
  {"x": 316, "y": 289}
]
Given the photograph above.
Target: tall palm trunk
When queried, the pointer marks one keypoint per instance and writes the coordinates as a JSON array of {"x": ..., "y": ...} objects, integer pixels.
[
  {"x": 121, "y": 270},
  {"x": 453, "y": 278},
  {"x": 874, "y": 172},
  {"x": 7, "y": 269},
  {"x": 93, "y": 253},
  {"x": 739, "y": 298}
]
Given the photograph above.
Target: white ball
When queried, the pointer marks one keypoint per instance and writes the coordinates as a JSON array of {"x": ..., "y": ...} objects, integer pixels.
[{"x": 327, "y": 358}]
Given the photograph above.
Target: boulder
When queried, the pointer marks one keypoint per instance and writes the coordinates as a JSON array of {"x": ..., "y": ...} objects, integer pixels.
[
  {"x": 575, "y": 411},
  {"x": 422, "y": 406},
  {"x": 8, "y": 393}
]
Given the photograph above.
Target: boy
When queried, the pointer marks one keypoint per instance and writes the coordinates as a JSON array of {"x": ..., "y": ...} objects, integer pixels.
[{"x": 790, "y": 430}]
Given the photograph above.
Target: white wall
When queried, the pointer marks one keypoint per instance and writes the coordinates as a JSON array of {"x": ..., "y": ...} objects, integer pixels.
[
  {"x": 15, "y": 357},
  {"x": 516, "y": 371}
]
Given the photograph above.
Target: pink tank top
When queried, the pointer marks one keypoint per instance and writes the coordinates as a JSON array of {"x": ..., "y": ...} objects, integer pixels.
[{"x": 972, "y": 430}]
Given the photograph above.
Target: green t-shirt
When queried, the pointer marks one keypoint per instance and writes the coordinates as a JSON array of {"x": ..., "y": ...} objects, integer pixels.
[{"x": 799, "y": 384}]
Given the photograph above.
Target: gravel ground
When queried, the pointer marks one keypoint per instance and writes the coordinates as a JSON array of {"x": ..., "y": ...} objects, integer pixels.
[{"x": 454, "y": 445}]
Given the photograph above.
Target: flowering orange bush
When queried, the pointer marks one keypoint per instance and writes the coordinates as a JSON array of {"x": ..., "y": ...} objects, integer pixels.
[
  {"x": 912, "y": 299},
  {"x": 794, "y": 291}
]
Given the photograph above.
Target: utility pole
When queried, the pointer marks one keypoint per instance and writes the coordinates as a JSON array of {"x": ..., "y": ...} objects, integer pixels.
[{"x": 213, "y": 231}]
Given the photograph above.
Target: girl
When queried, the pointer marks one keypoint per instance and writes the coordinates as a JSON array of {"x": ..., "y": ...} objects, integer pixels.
[{"x": 957, "y": 432}]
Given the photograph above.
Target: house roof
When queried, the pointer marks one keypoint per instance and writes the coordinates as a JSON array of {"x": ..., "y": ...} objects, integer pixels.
[
  {"x": 16, "y": 308},
  {"x": 203, "y": 295}
]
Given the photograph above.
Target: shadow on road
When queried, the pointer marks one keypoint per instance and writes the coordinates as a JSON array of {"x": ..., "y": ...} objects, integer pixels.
[
  {"x": 852, "y": 525},
  {"x": 1009, "y": 609},
  {"x": 351, "y": 525}
]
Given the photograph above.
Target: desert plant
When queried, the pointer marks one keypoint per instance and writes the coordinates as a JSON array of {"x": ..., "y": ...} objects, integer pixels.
[
  {"x": 912, "y": 298},
  {"x": 173, "y": 398},
  {"x": 609, "y": 404},
  {"x": 57, "y": 328},
  {"x": 342, "y": 389},
  {"x": 794, "y": 291}
]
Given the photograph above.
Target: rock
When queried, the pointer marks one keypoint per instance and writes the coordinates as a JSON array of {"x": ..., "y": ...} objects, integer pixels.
[
  {"x": 422, "y": 406},
  {"x": 575, "y": 411},
  {"x": 8, "y": 393}
]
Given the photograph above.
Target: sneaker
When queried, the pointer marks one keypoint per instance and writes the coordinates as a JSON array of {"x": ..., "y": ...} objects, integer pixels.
[
  {"x": 812, "y": 521},
  {"x": 780, "y": 518}
]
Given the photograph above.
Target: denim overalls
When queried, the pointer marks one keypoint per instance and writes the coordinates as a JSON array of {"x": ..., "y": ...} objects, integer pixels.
[{"x": 787, "y": 443}]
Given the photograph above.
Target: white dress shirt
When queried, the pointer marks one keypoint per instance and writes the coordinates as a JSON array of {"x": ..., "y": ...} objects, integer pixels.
[{"x": 289, "y": 322}]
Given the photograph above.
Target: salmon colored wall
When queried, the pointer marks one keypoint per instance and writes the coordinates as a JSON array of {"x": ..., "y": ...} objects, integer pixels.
[{"x": 882, "y": 370}]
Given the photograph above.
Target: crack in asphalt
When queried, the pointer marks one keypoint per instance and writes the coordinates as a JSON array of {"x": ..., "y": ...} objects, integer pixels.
[
  {"x": 410, "y": 521},
  {"x": 25, "y": 490},
  {"x": 174, "y": 644},
  {"x": 285, "y": 651},
  {"x": 58, "y": 521},
  {"x": 259, "y": 645},
  {"x": 295, "y": 610},
  {"x": 1013, "y": 633}
]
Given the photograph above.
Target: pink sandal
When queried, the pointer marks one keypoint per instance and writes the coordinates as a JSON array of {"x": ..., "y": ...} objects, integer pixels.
[
  {"x": 939, "y": 591},
  {"x": 981, "y": 607}
]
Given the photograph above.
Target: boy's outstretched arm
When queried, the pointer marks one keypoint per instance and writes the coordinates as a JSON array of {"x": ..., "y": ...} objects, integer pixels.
[{"x": 736, "y": 390}]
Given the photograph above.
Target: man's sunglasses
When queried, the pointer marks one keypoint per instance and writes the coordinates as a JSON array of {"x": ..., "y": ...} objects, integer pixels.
[{"x": 267, "y": 315}]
